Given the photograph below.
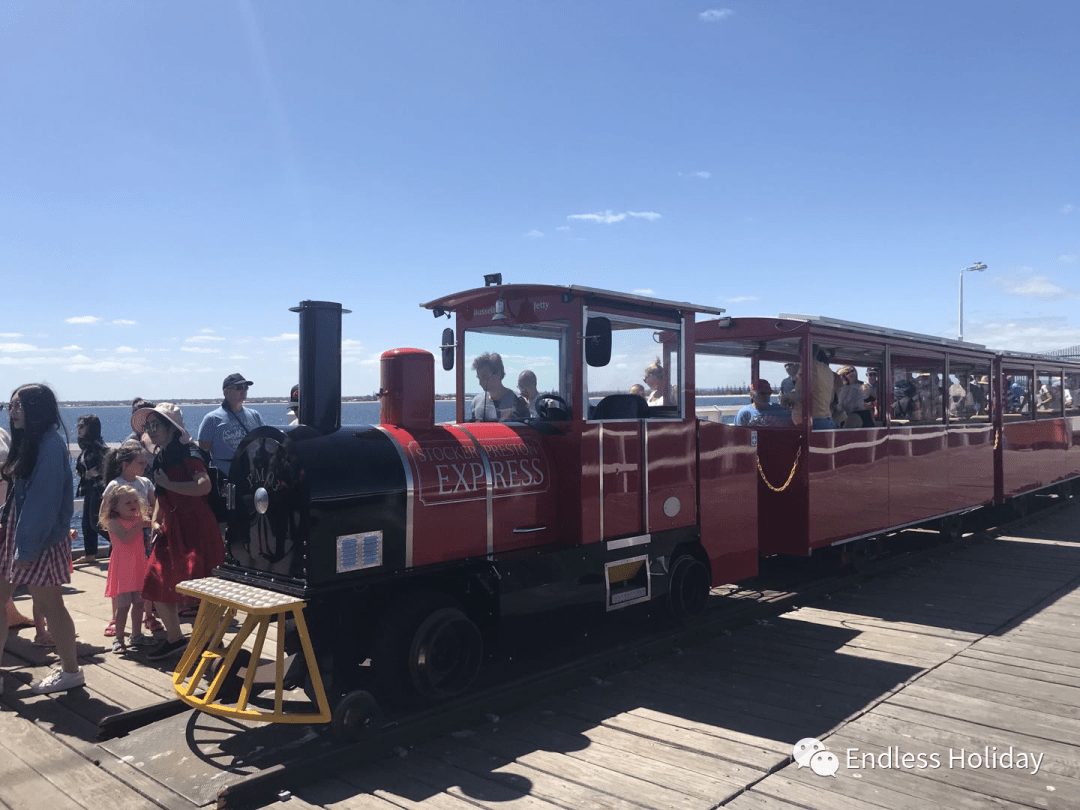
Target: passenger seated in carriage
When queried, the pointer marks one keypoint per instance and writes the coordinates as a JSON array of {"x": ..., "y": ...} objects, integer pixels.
[
  {"x": 854, "y": 400},
  {"x": 905, "y": 398},
  {"x": 966, "y": 399},
  {"x": 1015, "y": 396},
  {"x": 761, "y": 412}
]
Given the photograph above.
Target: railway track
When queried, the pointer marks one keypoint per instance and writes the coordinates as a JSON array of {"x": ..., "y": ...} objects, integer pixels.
[{"x": 517, "y": 675}]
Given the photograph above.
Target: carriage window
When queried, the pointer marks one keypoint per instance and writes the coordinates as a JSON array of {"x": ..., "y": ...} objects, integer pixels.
[
  {"x": 1048, "y": 399},
  {"x": 542, "y": 349},
  {"x": 646, "y": 361},
  {"x": 725, "y": 371},
  {"x": 1017, "y": 397},
  {"x": 1071, "y": 395},
  {"x": 917, "y": 391},
  {"x": 968, "y": 392}
]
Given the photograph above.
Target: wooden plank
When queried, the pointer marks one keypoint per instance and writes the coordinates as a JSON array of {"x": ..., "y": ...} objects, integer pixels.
[
  {"x": 989, "y": 714},
  {"x": 659, "y": 783},
  {"x": 1039, "y": 670},
  {"x": 833, "y": 793},
  {"x": 747, "y": 755},
  {"x": 1029, "y": 651},
  {"x": 908, "y": 727},
  {"x": 333, "y": 794},
  {"x": 1033, "y": 694},
  {"x": 734, "y": 775},
  {"x": 591, "y": 788},
  {"x": 64, "y": 769},
  {"x": 1023, "y": 788}
]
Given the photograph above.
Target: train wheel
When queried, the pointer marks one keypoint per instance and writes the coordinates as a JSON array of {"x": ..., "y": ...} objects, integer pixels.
[
  {"x": 951, "y": 529},
  {"x": 426, "y": 645},
  {"x": 356, "y": 715},
  {"x": 688, "y": 591},
  {"x": 234, "y": 681}
]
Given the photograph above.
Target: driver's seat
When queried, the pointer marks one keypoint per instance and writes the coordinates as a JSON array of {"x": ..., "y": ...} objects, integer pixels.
[{"x": 621, "y": 406}]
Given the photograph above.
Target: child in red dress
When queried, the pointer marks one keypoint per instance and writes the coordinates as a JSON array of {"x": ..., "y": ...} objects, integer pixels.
[{"x": 124, "y": 515}]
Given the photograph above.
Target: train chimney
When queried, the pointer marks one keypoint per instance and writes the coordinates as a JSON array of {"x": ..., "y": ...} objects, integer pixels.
[
  {"x": 407, "y": 388},
  {"x": 320, "y": 364}
]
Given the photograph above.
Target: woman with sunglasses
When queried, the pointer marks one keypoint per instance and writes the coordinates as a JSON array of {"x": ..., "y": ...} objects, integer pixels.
[
  {"x": 35, "y": 544},
  {"x": 186, "y": 543}
]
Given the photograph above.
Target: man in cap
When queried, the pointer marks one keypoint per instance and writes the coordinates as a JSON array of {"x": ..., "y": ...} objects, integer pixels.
[
  {"x": 787, "y": 385},
  {"x": 222, "y": 430},
  {"x": 761, "y": 412}
]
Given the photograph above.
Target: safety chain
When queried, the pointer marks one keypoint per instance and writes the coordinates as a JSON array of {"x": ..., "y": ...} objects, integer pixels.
[{"x": 791, "y": 475}]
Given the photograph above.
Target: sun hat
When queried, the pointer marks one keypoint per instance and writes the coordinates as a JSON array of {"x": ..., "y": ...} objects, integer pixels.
[
  {"x": 236, "y": 378},
  {"x": 761, "y": 387},
  {"x": 846, "y": 370},
  {"x": 165, "y": 410},
  {"x": 791, "y": 364}
]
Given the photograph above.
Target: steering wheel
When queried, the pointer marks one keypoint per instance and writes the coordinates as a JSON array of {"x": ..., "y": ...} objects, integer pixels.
[{"x": 552, "y": 408}]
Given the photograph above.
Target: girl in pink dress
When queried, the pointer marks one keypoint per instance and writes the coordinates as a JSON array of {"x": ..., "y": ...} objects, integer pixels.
[{"x": 124, "y": 515}]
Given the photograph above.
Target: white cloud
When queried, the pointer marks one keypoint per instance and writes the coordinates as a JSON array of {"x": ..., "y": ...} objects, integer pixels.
[
  {"x": 1025, "y": 334},
  {"x": 1069, "y": 258},
  {"x": 125, "y": 350},
  {"x": 199, "y": 350},
  {"x": 703, "y": 175},
  {"x": 281, "y": 337},
  {"x": 206, "y": 329},
  {"x": 534, "y": 234},
  {"x": 1067, "y": 209},
  {"x": 125, "y": 322},
  {"x": 17, "y": 347},
  {"x": 1028, "y": 284},
  {"x": 563, "y": 228},
  {"x": 645, "y": 291},
  {"x": 83, "y": 319},
  {"x": 10, "y": 334},
  {"x": 609, "y": 218},
  {"x": 740, "y": 299},
  {"x": 201, "y": 339},
  {"x": 72, "y": 348},
  {"x": 715, "y": 15}
]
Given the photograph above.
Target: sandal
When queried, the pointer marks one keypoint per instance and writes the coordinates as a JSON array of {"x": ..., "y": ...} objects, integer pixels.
[
  {"x": 44, "y": 640},
  {"x": 152, "y": 624},
  {"x": 111, "y": 629}
]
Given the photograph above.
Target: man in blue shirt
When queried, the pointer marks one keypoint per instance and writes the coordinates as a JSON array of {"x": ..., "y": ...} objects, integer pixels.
[
  {"x": 222, "y": 430},
  {"x": 761, "y": 412}
]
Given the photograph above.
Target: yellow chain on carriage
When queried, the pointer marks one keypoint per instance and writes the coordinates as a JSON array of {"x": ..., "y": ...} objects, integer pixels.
[{"x": 791, "y": 475}]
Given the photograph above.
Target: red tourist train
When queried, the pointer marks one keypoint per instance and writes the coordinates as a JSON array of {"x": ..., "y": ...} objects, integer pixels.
[{"x": 385, "y": 554}]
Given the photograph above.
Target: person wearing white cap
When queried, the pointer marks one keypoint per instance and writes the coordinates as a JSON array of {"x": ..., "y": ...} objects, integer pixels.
[
  {"x": 222, "y": 430},
  {"x": 186, "y": 543}
]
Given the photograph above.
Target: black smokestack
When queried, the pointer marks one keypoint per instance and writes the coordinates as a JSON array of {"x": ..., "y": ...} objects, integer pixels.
[{"x": 320, "y": 364}]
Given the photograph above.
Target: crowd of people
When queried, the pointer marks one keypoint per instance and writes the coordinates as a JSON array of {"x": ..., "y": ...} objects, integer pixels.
[{"x": 148, "y": 498}]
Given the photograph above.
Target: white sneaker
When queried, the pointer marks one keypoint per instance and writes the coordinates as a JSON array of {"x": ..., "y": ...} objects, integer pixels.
[{"x": 59, "y": 681}]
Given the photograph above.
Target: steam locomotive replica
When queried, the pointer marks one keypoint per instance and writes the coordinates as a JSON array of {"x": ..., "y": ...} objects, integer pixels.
[{"x": 384, "y": 555}]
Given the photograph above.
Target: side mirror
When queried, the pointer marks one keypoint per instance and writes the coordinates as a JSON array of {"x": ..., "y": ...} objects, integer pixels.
[
  {"x": 447, "y": 348},
  {"x": 598, "y": 342}
]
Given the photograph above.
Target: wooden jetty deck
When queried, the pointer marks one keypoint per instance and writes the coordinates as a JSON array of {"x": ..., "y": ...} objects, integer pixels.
[{"x": 975, "y": 654}]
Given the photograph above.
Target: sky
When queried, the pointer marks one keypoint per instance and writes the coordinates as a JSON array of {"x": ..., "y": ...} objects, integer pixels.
[{"x": 177, "y": 175}]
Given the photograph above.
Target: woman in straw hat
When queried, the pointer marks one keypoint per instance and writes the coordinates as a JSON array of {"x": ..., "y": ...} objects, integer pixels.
[{"x": 186, "y": 540}]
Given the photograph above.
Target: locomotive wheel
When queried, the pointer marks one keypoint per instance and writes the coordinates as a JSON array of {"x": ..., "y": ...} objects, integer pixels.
[
  {"x": 234, "y": 682},
  {"x": 426, "y": 647},
  {"x": 951, "y": 529},
  {"x": 688, "y": 591},
  {"x": 356, "y": 715}
]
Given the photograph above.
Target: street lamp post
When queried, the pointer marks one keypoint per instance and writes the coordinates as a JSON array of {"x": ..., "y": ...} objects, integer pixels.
[{"x": 979, "y": 267}]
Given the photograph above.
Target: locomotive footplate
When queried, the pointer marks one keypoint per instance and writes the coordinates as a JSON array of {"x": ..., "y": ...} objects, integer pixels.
[{"x": 209, "y": 655}]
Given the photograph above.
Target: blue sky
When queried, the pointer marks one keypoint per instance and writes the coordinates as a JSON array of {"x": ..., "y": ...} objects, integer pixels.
[{"x": 176, "y": 175}]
